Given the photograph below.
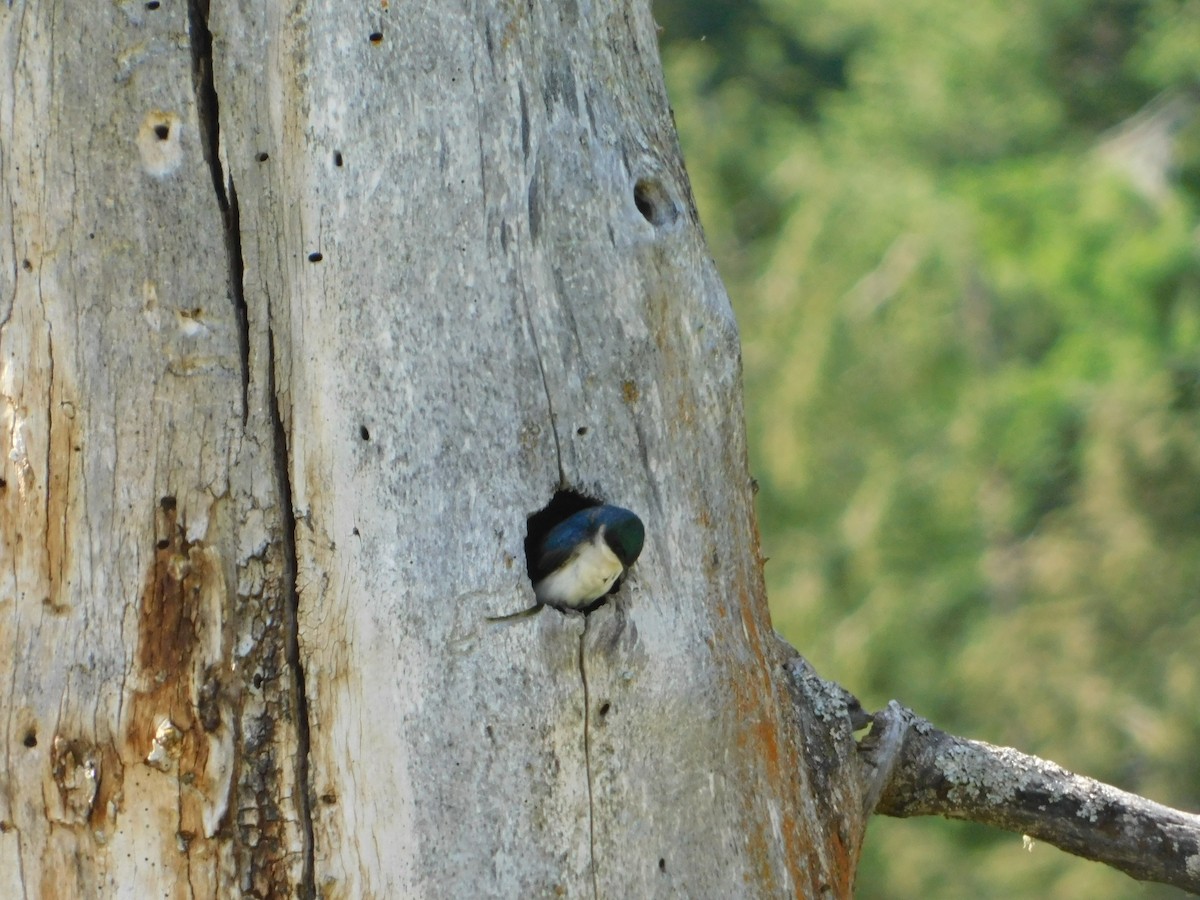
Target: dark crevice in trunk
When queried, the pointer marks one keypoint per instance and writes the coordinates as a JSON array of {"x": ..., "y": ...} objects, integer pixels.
[
  {"x": 587, "y": 762},
  {"x": 307, "y": 888},
  {"x": 233, "y": 244},
  {"x": 208, "y": 111}
]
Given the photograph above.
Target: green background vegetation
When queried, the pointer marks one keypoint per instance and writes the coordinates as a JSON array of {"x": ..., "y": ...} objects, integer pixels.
[{"x": 961, "y": 240}]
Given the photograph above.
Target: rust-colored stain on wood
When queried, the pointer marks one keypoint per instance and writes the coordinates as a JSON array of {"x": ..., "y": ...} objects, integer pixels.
[
  {"x": 61, "y": 463},
  {"x": 167, "y": 619},
  {"x": 164, "y": 728},
  {"x": 36, "y": 518},
  {"x": 752, "y": 693},
  {"x": 844, "y": 862},
  {"x": 780, "y": 760},
  {"x": 112, "y": 776}
]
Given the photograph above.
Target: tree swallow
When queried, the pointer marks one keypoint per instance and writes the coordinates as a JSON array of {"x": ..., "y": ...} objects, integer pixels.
[{"x": 583, "y": 556}]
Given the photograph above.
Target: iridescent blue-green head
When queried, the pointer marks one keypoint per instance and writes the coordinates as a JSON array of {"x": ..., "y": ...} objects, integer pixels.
[{"x": 623, "y": 532}]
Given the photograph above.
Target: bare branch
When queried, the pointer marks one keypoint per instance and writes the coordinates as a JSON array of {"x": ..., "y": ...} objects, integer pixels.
[{"x": 934, "y": 773}]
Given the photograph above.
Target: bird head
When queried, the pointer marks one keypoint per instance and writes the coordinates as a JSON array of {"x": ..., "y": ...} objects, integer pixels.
[{"x": 624, "y": 533}]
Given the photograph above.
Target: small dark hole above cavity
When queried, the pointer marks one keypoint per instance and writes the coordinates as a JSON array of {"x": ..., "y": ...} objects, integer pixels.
[
  {"x": 654, "y": 202},
  {"x": 315, "y": 257},
  {"x": 337, "y": 158},
  {"x": 153, "y": 4},
  {"x": 163, "y": 544},
  {"x": 364, "y": 433},
  {"x": 162, "y": 131},
  {"x": 167, "y": 503},
  {"x": 30, "y": 739},
  {"x": 3, "y": 484},
  {"x": 375, "y": 37},
  {"x": 581, "y": 430},
  {"x": 263, "y": 157}
]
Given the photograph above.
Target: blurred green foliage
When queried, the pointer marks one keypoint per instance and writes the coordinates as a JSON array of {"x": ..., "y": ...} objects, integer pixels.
[{"x": 961, "y": 240}]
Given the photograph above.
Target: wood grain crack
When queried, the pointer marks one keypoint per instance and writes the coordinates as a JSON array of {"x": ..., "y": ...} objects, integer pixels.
[
  {"x": 562, "y": 475},
  {"x": 307, "y": 889},
  {"x": 208, "y": 111},
  {"x": 587, "y": 764}
]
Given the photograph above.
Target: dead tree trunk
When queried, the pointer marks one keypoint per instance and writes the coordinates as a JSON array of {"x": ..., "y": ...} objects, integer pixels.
[{"x": 304, "y": 311}]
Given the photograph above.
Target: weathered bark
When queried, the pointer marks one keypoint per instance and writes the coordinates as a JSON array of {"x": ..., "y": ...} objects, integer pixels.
[
  {"x": 302, "y": 311},
  {"x": 927, "y": 772},
  {"x": 149, "y": 715},
  {"x": 513, "y": 297}
]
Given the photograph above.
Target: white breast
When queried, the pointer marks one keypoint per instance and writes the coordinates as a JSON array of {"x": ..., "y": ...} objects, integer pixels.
[{"x": 585, "y": 577}]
